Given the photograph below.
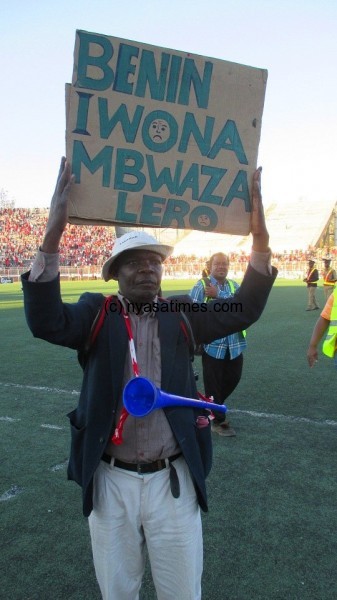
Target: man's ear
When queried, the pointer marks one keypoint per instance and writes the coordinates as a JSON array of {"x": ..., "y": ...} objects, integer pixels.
[
  {"x": 114, "y": 273},
  {"x": 114, "y": 270}
]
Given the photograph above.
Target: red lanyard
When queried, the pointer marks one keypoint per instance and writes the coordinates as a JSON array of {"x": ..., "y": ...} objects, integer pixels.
[{"x": 117, "y": 438}]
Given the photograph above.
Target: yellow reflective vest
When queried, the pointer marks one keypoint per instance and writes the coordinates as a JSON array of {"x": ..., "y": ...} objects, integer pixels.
[
  {"x": 330, "y": 343},
  {"x": 326, "y": 281}
]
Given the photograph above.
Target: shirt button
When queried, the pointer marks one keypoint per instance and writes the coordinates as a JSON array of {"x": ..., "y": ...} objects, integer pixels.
[{"x": 101, "y": 440}]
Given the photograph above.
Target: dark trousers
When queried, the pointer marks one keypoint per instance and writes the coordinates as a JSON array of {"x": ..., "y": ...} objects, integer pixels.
[{"x": 221, "y": 376}]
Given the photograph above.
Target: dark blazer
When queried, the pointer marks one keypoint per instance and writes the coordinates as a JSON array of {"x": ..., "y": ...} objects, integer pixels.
[
  {"x": 312, "y": 278},
  {"x": 94, "y": 418}
]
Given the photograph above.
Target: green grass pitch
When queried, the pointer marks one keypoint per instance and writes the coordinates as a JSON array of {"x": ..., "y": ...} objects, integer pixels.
[{"x": 271, "y": 531}]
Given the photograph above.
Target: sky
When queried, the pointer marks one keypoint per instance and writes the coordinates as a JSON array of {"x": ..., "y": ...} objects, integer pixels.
[{"x": 295, "y": 40}]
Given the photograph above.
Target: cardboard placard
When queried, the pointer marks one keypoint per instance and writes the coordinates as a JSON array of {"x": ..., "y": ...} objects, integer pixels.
[{"x": 161, "y": 138}]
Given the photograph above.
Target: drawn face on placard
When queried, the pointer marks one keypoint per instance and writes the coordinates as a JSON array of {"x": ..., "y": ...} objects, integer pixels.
[
  {"x": 159, "y": 131},
  {"x": 204, "y": 220}
]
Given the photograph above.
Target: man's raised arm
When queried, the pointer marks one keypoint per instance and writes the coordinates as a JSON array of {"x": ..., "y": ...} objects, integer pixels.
[{"x": 58, "y": 212}]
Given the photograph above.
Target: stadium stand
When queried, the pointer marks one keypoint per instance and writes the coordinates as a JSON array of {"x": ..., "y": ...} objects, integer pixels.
[
  {"x": 296, "y": 233},
  {"x": 292, "y": 227}
]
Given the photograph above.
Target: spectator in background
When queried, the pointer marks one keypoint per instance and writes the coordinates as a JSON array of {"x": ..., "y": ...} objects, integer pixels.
[
  {"x": 311, "y": 280},
  {"x": 222, "y": 359},
  {"x": 329, "y": 278}
]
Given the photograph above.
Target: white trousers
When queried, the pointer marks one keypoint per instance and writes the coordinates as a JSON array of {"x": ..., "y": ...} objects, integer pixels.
[
  {"x": 327, "y": 289},
  {"x": 131, "y": 510},
  {"x": 312, "y": 302}
]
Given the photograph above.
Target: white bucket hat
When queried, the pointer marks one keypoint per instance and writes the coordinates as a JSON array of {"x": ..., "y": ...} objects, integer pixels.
[{"x": 134, "y": 240}]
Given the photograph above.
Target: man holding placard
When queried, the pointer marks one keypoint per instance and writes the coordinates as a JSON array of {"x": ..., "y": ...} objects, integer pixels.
[
  {"x": 158, "y": 138},
  {"x": 143, "y": 480}
]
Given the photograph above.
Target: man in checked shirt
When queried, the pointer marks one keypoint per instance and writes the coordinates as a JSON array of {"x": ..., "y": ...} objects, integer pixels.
[{"x": 222, "y": 359}]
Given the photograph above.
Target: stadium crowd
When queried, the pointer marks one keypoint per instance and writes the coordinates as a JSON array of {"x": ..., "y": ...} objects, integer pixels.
[
  {"x": 21, "y": 227},
  {"x": 88, "y": 245}
]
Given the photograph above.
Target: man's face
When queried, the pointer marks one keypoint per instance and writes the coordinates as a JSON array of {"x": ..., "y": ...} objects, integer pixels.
[
  {"x": 139, "y": 275},
  {"x": 219, "y": 268}
]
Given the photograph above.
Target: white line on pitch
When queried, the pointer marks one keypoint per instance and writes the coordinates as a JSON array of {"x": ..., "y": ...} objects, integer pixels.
[
  {"x": 40, "y": 388},
  {"x": 13, "y": 491},
  {"x": 250, "y": 413},
  {"x": 292, "y": 419}
]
